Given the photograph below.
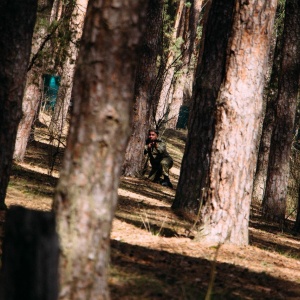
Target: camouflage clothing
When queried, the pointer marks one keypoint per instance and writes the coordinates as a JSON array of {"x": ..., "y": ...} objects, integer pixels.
[{"x": 160, "y": 160}]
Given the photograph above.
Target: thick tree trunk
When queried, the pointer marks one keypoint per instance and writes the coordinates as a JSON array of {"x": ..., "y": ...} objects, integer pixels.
[
  {"x": 144, "y": 91},
  {"x": 17, "y": 21},
  {"x": 209, "y": 77},
  {"x": 86, "y": 195},
  {"x": 274, "y": 203},
  {"x": 227, "y": 176}
]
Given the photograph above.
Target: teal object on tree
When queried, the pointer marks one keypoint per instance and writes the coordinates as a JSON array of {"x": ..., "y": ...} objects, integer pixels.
[{"x": 51, "y": 86}]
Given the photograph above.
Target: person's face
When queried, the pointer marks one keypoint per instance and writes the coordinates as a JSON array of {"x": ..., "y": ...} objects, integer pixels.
[{"x": 152, "y": 136}]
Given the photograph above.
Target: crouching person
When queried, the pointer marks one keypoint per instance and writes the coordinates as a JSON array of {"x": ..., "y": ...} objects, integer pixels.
[{"x": 160, "y": 160}]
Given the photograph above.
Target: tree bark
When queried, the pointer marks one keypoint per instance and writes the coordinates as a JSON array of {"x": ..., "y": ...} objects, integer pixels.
[
  {"x": 297, "y": 223},
  {"x": 226, "y": 177},
  {"x": 30, "y": 105},
  {"x": 144, "y": 92},
  {"x": 166, "y": 91},
  {"x": 208, "y": 79},
  {"x": 274, "y": 203},
  {"x": 86, "y": 195},
  {"x": 191, "y": 23},
  {"x": 17, "y": 21},
  {"x": 33, "y": 90},
  {"x": 271, "y": 92}
]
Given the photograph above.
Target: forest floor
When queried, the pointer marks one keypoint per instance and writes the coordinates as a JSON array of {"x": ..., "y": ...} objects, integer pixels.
[{"x": 154, "y": 255}]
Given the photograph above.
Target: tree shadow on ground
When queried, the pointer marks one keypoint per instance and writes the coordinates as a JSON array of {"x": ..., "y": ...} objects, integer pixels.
[
  {"x": 33, "y": 176},
  {"x": 148, "y": 189},
  {"x": 37, "y": 180},
  {"x": 178, "y": 134},
  {"x": 44, "y": 155},
  {"x": 142, "y": 273},
  {"x": 287, "y": 250},
  {"x": 272, "y": 236},
  {"x": 126, "y": 204},
  {"x": 155, "y": 229}
]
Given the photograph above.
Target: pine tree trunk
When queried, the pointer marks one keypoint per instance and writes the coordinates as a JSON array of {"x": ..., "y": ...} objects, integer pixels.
[
  {"x": 209, "y": 76},
  {"x": 32, "y": 95},
  {"x": 225, "y": 214},
  {"x": 297, "y": 223},
  {"x": 163, "y": 103},
  {"x": 17, "y": 21},
  {"x": 274, "y": 203},
  {"x": 188, "y": 54},
  {"x": 227, "y": 178},
  {"x": 271, "y": 92},
  {"x": 30, "y": 107},
  {"x": 144, "y": 92},
  {"x": 86, "y": 195}
]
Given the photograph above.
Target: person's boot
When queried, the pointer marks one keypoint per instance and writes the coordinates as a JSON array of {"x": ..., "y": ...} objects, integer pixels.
[{"x": 167, "y": 182}]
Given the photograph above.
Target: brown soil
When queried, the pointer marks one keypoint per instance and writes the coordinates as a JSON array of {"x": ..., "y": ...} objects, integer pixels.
[{"x": 153, "y": 252}]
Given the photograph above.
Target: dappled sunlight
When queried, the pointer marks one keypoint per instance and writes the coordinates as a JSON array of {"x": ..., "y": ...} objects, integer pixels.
[
  {"x": 153, "y": 251},
  {"x": 38, "y": 169},
  {"x": 175, "y": 171}
]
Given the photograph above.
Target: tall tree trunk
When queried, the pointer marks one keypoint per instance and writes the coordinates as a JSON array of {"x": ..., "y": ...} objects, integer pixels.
[
  {"x": 274, "y": 203},
  {"x": 144, "y": 91},
  {"x": 30, "y": 105},
  {"x": 227, "y": 176},
  {"x": 33, "y": 90},
  {"x": 271, "y": 92},
  {"x": 86, "y": 195},
  {"x": 162, "y": 106},
  {"x": 17, "y": 19},
  {"x": 297, "y": 223},
  {"x": 209, "y": 76},
  {"x": 191, "y": 23}
]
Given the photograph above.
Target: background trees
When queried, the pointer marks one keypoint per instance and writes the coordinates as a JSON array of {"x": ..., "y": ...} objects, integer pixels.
[
  {"x": 86, "y": 194},
  {"x": 34, "y": 80},
  {"x": 167, "y": 61},
  {"x": 54, "y": 53},
  {"x": 217, "y": 171}
]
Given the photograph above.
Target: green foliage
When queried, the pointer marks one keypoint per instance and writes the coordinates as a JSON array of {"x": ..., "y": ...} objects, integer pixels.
[
  {"x": 188, "y": 4},
  {"x": 169, "y": 13},
  {"x": 54, "y": 39},
  {"x": 279, "y": 19}
]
